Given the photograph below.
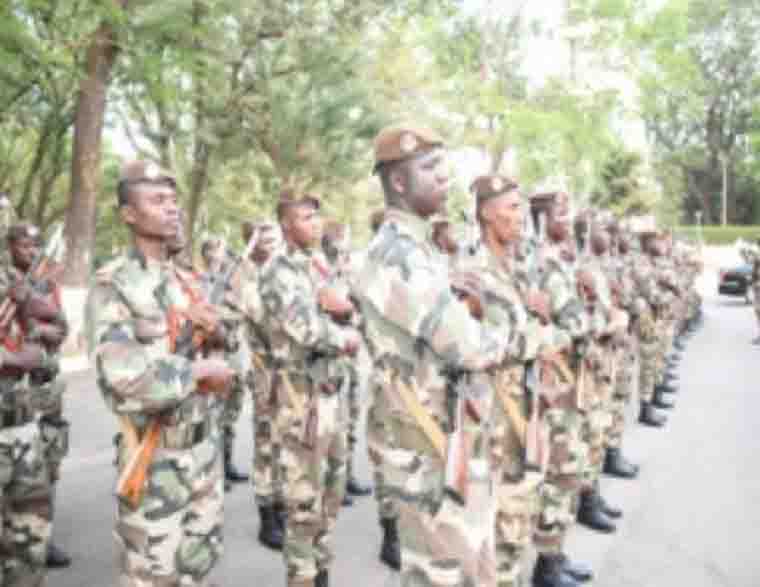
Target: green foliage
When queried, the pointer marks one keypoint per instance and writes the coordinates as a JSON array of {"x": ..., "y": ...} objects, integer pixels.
[{"x": 719, "y": 235}]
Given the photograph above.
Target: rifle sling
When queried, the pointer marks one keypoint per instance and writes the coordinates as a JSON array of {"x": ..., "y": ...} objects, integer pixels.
[{"x": 423, "y": 418}]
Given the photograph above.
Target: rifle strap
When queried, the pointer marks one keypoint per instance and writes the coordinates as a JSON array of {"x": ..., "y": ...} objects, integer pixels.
[
  {"x": 513, "y": 412},
  {"x": 298, "y": 406},
  {"x": 421, "y": 416}
]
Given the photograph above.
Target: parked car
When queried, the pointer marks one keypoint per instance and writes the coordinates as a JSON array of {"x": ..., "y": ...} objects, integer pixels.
[{"x": 736, "y": 281}]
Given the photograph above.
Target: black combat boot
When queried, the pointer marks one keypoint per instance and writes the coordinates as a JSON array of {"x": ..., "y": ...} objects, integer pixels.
[
  {"x": 659, "y": 400},
  {"x": 281, "y": 515},
  {"x": 550, "y": 572},
  {"x": 616, "y": 465},
  {"x": 578, "y": 571},
  {"x": 390, "y": 549},
  {"x": 678, "y": 344},
  {"x": 321, "y": 579},
  {"x": 270, "y": 534},
  {"x": 650, "y": 417},
  {"x": 57, "y": 557},
  {"x": 670, "y": 377},
  {"x": 666, "y": 387},
  {"x": 231, "y": 472},
  {"x": 610, "y": 510},
  {"x": 591, "y": 515},
  {"x": 348, "y": 501},
  {"x": 357, "y": 488}
]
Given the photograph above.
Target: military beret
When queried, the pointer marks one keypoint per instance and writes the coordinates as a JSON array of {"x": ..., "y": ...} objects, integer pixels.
[
  {"x": 645, "y": 235},
  {"x": 145, "y": 172},
  {"x": 486, "y": 187},
  {"x": 23, "y": 230},
  {"x": 399, "y": 142},
  {"x": 289, "y": 198},
  {"x": 543, "y": 201}
]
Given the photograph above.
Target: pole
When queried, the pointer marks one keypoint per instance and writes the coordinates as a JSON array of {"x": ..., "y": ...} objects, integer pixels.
[{"x": 724, "y": 162}]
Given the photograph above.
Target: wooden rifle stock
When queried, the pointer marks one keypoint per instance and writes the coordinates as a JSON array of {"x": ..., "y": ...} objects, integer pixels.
[{"x": 131, "y": 484}]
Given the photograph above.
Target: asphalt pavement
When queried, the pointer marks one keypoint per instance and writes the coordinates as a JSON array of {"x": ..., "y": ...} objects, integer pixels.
[{"x": 690, "y": 519}]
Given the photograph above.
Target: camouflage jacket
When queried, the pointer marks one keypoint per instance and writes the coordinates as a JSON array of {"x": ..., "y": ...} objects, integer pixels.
[
  {"x": 299, "y": 333},
  {"x": 419, "y": 331},
  {"x": 568, "y": 312},
  {"x": 132, "y": 307}
]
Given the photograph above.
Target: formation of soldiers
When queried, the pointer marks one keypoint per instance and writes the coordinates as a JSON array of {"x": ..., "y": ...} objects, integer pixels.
[{"x": 496, "y": 370}]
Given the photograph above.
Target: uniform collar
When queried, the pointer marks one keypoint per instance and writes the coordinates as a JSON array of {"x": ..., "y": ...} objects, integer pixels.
[{"x": 408, "y": 224}]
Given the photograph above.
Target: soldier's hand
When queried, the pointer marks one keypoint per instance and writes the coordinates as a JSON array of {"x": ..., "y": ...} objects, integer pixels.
[
  {"x": 353, "y": 342},
  {"x": 203, "y": 316},
  {"x": 538, "y": 303},
  {"x": 213, "y": 375},
  {"x": 335, "y": 302},
  {"x": 467, "y": 287},
  {"x": 52, "y": 334},
  {"x": 31, "y": 357}
]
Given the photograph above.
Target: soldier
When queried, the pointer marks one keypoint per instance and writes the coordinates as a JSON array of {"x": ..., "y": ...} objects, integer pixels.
[
  {"x": 421, "y": 334},
  {"x": 651, "y": 301},
  {"x": 564, "y": 413},
  {"x": 303, "y": 321},
  {"x": 615, "y": 464},
  {"x": 33, "y": 330},
  {"x": 143, "y": 319},
  {"x": 336, "y": 249},
  {"x": 608, "y": 323},
  {"x": 390, "y": 548},
  {"x": 267, "y": 456},
  {"x": 217, "y": 259},
  {"x": 517, "y": 442}
]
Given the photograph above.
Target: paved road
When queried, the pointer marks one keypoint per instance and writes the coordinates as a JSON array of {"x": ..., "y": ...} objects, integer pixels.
[{"x": 690, "y": 519}]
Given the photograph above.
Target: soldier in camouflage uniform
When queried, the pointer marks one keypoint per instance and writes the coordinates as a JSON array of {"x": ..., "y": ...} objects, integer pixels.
[
  {"x": 564, "y": 413},
  {"x": 141, "y": 313},
  {"x": 518, "y": 448},
  {"x": 618, "y": 269},
  {"x": 651, "y": 301},
  {"x": 30, "y": 445},
  {"x": 217, "y": 259},
  {"x": 267, "y": 471},
  {"x": 335, "y": 246},
  {"x": 304, "y": 324},
  {"x": 390, "y": 548},
  {"x": 608, "y": 323},
  {"x": 421, "y": 334}
]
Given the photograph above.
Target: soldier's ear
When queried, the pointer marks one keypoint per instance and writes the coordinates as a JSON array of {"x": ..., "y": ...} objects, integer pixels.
[
  {"x": 128, "y": 214},
  {"x": 398, "y": 179}
]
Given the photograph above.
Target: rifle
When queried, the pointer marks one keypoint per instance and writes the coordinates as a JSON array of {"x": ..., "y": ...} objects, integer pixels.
[
  {"x": 53, "y": 251},
  {"x": 130, "y": 486},
  {"x": 456, "y": 472}
]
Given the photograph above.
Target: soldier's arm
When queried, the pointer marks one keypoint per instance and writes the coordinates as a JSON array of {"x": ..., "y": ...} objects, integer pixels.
[
  {"x": 569, "y": 316},
  {"x": 132, "y": 376},
  {"x": 290, "y": 302},
  {"x": 416, "y": 297}
]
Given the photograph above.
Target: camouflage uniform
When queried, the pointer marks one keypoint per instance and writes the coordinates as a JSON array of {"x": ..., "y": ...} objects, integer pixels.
[
  {"x": 174, "y": 537},
  {"x": 564, "y": 417},
  {"x": 668, "y": 316},
  {"x": 304, "y": 342},
  {"x": 418, "y": 331},
  {"x": 28, "y": 449},
  {"x": 516, "y": 479}
]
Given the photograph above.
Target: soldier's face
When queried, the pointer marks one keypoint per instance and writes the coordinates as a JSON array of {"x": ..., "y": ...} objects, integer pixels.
[
  {"x": 23, "y": 251},
  {"x": 559, "y": 219},
  {"x": 178, "y": 242},
  {"x": 152, "y": 211},
  {"x": 504, "y": 216},
  {"x": 303, "y": 226},
  {"x": 426, "y": 184},
  {"x": 600, "y": 243}
]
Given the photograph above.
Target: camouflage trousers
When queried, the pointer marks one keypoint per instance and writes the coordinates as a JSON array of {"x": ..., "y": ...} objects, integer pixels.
[
  {"x": 622, "y": 393},
  {"x": 597, "y": 420},
  {"x": 376, "y": 443},
  {"x": 567, "y": 462},
  {"x": 353, "y": 398},
  {"x": 231, "y": 412},
  {"x": 314, "y": 471},
  {"x": 267, "y": 453},
  {"x": 516, "y": 488},
  {"x": 24, "y": 506},
  {"x": 666, "y": 331},
  {"x": 174, "y": 538},
  {"x": 649, "y": 333}
]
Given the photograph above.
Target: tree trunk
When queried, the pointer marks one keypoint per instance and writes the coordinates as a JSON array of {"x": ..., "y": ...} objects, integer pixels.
[{"x": 85, "y": 164}]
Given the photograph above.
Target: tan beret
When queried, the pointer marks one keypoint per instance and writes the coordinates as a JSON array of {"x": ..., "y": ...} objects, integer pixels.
[
  {"x": 145, "y": 172},
  {"x": 543, "y": 201},
  {"x": 399, "y": 142},
  {"x": 486, "y": 187}
]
